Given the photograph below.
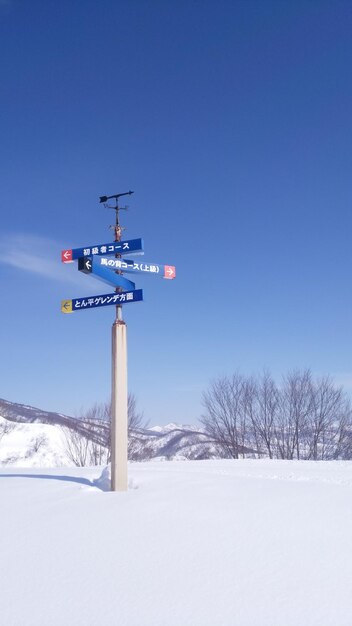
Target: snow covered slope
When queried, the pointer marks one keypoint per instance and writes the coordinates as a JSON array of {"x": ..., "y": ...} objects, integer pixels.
[
  {"x": 24, "y": 444},
  {"x": 205, "y": 543},
  {"x": 31, "y": 445},
  {"x": 34, "y": 438}
]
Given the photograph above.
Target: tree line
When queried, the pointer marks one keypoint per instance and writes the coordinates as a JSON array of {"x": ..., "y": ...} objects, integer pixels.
[{"x": 300, "y": 418}]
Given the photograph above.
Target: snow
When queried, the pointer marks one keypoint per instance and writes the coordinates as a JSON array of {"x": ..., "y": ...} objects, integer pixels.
[
  {"x": 225, "y": 543},
  {"x": 32, "y": 445},
  {"x": 169, "y": 427}
]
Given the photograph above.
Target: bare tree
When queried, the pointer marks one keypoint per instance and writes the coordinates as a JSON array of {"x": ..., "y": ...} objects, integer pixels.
[
  {"x": 90, "y": 442},
  {"x": 250, "y": 411},
  {"x": 262, "y": 402},
  {"x": 139, "y": 447},
  {"x": 224, "y": 417},
  {"x": 6, "y": 428},
  {"x": 135, "y": 417},
  {"x": 292, "y": 417},
  {"x": 326, "y": 408},
  {"x": 38, "y": 442},
  {"x": 303, "y": 418},
  {"x": 136, "y": 443},
  {"x": 76, "y": 446},
  {"x": 86, "y": 441},
  {"x": 343, "y": 433}
]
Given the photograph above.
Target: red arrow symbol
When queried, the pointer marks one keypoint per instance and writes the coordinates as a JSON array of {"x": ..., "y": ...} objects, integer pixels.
[
  {"x": 66, "y": 256},
  {"x": 170, "y": 271}
]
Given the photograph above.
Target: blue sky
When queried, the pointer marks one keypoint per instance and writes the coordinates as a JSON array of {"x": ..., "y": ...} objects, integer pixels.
[{"x": 232, "y": 123}]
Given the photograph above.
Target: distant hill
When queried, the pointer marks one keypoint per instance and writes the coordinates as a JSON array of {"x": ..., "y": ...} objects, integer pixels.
[
  {"x": 33, "y": 437},
  {"x": 23, "y": 413}
]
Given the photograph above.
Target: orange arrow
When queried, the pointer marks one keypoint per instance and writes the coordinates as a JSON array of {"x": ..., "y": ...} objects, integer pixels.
[{"x": 170, "y": 271}]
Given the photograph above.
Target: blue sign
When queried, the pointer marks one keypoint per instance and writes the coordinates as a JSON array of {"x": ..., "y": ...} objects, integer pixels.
[
  {"x": 107, "y": 299},
  {"x": 127, "y": 265},
  {"x": 116, "y": 247},
  {"x": 89, "y": 265}
]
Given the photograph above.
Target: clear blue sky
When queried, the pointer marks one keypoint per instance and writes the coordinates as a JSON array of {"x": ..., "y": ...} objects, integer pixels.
[{"x": 232, "y": 123}]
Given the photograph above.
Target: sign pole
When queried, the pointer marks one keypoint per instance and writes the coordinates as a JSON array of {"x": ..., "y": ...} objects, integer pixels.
[
  {"x": 95, "y": 260},
  {"x": 119, "y": 407},
  {"x": 119, "y": 393}
]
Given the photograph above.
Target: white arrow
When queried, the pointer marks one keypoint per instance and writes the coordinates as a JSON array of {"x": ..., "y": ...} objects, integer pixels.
[
  {"x": 88, "y": 264},
  {"x": 170, "y": 271},
  {"x": 67, "y": 254}
]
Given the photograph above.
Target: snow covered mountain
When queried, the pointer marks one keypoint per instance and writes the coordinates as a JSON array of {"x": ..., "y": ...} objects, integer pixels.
[{"x": 31, "y": 437}]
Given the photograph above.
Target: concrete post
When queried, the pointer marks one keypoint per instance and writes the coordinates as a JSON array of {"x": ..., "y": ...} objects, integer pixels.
[{"x": 119, "y": 407}]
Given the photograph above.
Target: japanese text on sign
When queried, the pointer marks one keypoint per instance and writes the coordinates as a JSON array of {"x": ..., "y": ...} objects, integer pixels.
[
  {"x": 112, "y": 248},
  {"x": 91, "y": 302},
  {"x": 117, "y": 298},
  {"x": 123, "y": 265},
  {"x": 119, "y": 247}
]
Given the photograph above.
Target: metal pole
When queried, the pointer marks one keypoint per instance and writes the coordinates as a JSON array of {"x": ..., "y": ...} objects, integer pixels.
[{"x": 119, "y": 395}]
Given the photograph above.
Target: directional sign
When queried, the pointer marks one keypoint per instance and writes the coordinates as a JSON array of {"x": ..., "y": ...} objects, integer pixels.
[
  {"x": 89, "y": 265},
  {"x": 66, "y": 306},
  {"x": 85, "y": 265},
  {"x": 92, "y": 302},
  {"x": 116, "y": 247},
  {"x": 66, "y": 256},
  {"x": 164, "y": 271}
]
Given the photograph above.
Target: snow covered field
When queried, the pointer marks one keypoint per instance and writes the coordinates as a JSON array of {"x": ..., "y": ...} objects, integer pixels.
[{"x": 225, "y": 543}]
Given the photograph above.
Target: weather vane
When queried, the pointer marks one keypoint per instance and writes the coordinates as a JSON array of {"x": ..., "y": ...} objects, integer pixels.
[{"x": 104, "y": 199}]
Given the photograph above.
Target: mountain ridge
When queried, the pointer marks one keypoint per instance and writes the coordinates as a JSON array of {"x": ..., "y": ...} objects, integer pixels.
[{"x": 43, "y": 437}]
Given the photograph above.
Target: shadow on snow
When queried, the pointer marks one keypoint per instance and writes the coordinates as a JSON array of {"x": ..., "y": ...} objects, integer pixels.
[{"x": 68, "y": 479}]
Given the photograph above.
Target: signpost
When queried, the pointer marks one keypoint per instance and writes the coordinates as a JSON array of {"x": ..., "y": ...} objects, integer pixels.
[
  {"x": 88, "y": 266},
  {"x": 117, "y": 247},
  {"x": 164, "y": 271},
  {"x": 99, "y": 261},
  {"x": 106, "y": 299}
]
